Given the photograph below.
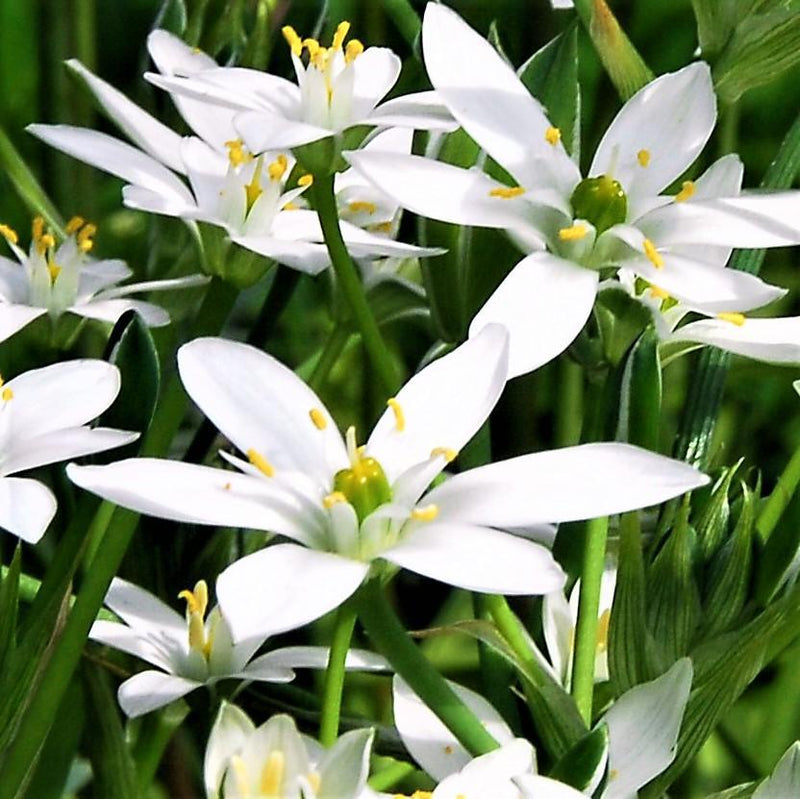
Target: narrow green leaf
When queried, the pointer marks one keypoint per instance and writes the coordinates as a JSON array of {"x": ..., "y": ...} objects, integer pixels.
[
  {"x": 712, "y": 521},
  {"x": 9, "y": 605},
  {"x": 393, "y": 299},
  {"x": 743, "y": 791},
  {"x": 640, "y": 398},
  {"x": 585, "y": 765},
  {"x": 775, "y": 562}
]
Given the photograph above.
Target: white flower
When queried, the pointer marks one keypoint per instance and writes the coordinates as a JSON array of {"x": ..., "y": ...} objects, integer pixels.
[
  {"x": 346, "y": 506},
  {"x": 54, "y": 280},
  {"x": 43, "y": 416},
  {"x": 785, "y": 779},
  {"x": 643, "y": 726},
  {"x": 574, "y": 227},
  {"x": 197, "y": 650},
  {"x": 275, "y": 760},
  {"x": 228, "y": 186},
  {"x": 338, "y": 87}
]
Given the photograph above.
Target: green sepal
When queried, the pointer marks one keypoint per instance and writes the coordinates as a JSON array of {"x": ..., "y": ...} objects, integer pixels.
[
  {"x": 585, "y": 765},
  {"x": 235, "y": 265},
  {"x": 621, "y": 319},
  {"x": 711, "y": 522},
  {"x": 393, "y": 299}
]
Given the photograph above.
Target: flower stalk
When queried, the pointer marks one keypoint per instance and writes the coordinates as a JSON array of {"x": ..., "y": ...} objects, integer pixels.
[{"x": 334, "y": 675}]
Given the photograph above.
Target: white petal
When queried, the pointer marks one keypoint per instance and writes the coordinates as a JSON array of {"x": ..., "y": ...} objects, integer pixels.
[
  {"x": 228, "y": 736},
  {"x": 283, "y": 587},
  {"x": 488, "y": 99},
  {"x": 363, "y": 244},
  {"x": 144, "y": 130},
  {"x": 785, "y": 779},
  {"x": 305, "y": 256},
  {"x": 99, "y": 275},
  {"x": 111, "y": 310},
  {"x": 26, "y": 508},
  {"x": 15, "y": 317},
  {"x": 771, "y": 340},
  {"x": 343, "y": 769},
  {"x": 263, "y": 130},
  {"x": 671, "y": 118},
  {"x": 143, "y": 611},
  {"x": 375, "y": 71},
  {"x": 150, "y": 690},
  {"x": 161, "y": 648},
  {"x": 430, "y": 743},
  {"x": 643, "y": 726},
  {"x": 534, "y": 786},
  {"x": 477, "y": 558},
  {"x": 421, "y": 110},
  {"x": 259, "y": 403},
  {"x": 151, "y": 202},
  {"x": 558, "y": 626},
  {"x": 544, "y": 303},
  {"x": 311, "y": 657},
  {"x": 566, "y": 484},
  {"x": 186, "y": 492},
  {"x": 444, "y": 404},
  {"x": 14, "y": 283}
]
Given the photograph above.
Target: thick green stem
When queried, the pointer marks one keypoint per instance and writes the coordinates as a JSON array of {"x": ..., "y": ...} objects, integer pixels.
[
  {"x": 780, "y": 497},
  {"x": 334, "y": 675},
  {"x": 393, "y": 642},
  {"x": 569, "y": 410},
  {"x": 588, "y": 607},
  {"x": 330, "y": 354},
  {"x": 389, "y": 777},
  {"x": 350, "y": 283}
]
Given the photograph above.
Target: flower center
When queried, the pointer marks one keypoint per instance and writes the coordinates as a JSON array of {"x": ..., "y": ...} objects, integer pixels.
[
  {"x": 364, "y": 485},
  {"x": 196, "y": 606},
  {"x": 601, "y": 201}
]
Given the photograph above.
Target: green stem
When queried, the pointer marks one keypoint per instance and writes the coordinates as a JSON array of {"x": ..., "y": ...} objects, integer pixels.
[
  {"x": 389, "y": 777},
  {"x": 334, "y": 675},
  {"x": 330, "y": 354},
  {"x": 588, "y": 607},
  {"x": 780, "y": 497},
  {"x": 569, "y": 410},
  {"x": 391, "y": 639},
  {"x": 350, "y": 283}
]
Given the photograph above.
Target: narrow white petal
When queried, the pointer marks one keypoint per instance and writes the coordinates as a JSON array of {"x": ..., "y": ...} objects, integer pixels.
[
  {"x": 150, "y": 690},
  {"x": 110, "y": 311},
  {"x": 15, "y": 317},
  {"x": 305, "y": 256},
  {"x": 283, "y": 587},
  {"x": 312, "y": 657},
  {"x": 259, "y": 403},
  {"x": 643, "y": 726},
  {"x": 343, "y": 769},
  {"x": 785, "y": 779},
  {"x": 488, "y": 99},
  {"x": 532, "y": 785},
  {"x": 26, "y": 508},
  {"x": 544, "y": 303},
  {"x": 363, "y": 244},
  {"x": 421, "y": 110},
  {"x": 444, "y": 404},
  {"x": 228, "y": 736},
  {"x": 477, "y": 558},
  {"x": 189, "y": 281},
  {"x": 161, "y": 648},
  {"x": 671, "y": 118},
  {"x": 143, "y": 611},
  {"x": 375, "y": 71},
  {"x": 151, "y": 202},
  {"x": 566, "y": 484},
  {"x": 263, "y": 130},
  {"x": 99, "y": 275},
  {"x": 558, "y": 626},
  {"x": 14, "y": 283}
]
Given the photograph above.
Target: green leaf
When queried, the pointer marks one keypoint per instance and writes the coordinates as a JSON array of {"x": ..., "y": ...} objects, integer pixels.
[
  {"x": 172, "y": 17},
  {"x": 775, "y": 563},
  {"x": 743, "y": 791},
  {"x": 640, "y": 397},
  {"x": 551, "y": 76},
  {"x": 393, "y": 298},
  {"x": 9, "y": 604},
  {"x": 585, "y": 765},
  {"x": 712, "y": 522}
]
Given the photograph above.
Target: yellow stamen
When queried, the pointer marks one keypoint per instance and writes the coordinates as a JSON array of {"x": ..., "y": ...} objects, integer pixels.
[
  {"x": 399, "y": 417},
  {"x": 272, "y": 775},
  {"x": 687, "y": 190},
  {"x": 260, "y": 462},
  {"x": 331, "y": 499},
  {"x": 305, "y": 180},
  {"x": 318, "y": 418},
  {"x": 643, "y": 157},
  {"x": 659, "y": 293},
  {"x": 552, "y": 136},
  {"x": 318, "y": 55},
  {"x": 237, "y": 154},
  {"x": 573, "y": 233},
  {"x": 7, "y": 394},
  {"x": 602, "y": 630},
  {"x": 362, "y": 205},
  {"x": 295, "y": 42},
  {"x": 734, "y": 318},
  {"x": 314, "y": 780},
  {"x": 84, "y": 238},
  {"x": 253, "y": 189},
  {"x": 277, "y": 169},
  {"x": 54, "y": 269},
  {"x": 507, "y": 192},
  {"x": 290, "y": 206},
  {"x": 74, "y": 225},
  {"x": 448, "y": 454},
  {"x": 196, "y": 605},
  {"x": 41, "y": 240},
  {"x": 426, "y": 514},
  {"x": 653, "y": 254},
  {"x": 197, "y": 599},
  {"x": 9, "y": 234},
  {"x": 37, "y": 227},
  {"x": 342, "y": 29},
  {"x": 381, "y": 227},
  {"x": 241, "y": 777},
  {"x": 353, "y": 50}
]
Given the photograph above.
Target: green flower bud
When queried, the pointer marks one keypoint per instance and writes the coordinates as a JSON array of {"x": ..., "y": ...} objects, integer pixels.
[
  {"x": 365, "y": 486},
  {"x": 600, "y": 201}
]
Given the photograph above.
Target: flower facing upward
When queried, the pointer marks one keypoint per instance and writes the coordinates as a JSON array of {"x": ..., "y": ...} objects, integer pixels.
[
  {"x": 61, "y": 278},
  {"x": 349, "y": 507},
  {"x": 43, "y": 416}
]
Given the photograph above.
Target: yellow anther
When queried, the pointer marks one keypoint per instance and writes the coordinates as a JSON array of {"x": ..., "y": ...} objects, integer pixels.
[
  {"x": 241, "y": 777},
  {"x": 426, "y": 514},
  {"x": 448, "y": 454},
  {"x": 687, "y": 190},
  {"x": 552, "y": 136},
  {"x": 573, "y": 233},
  {"x": 507, "y": 192},
  {"x": 290, "y": 206},
  {"x": 381, "y": 227},
  {"x": 353, "y": 50},
  {"x": 342, "y": 29},
  {"x": 277, "y": 169},
  {"x": 399, "y": 417},
  {"x": 362, "y": 205},
  {"x": 74, "y": 225},
  {"x": 7, "y": 394},
  {"x": 313, "y": 47},
  {"x": 643, "y": 157},
  {"x": 237, "y": 154},
  {"x": 295, "y": 42},
  {"x": 37, "y": 227},
  {"x": 448, "y": 750},
  {"x": 84, "y": 238},
  {"x": 318, "y": 418},
  {"x": 659, "y": 293},
  {"x": 54, "y": 269},
  {"x": 332, "y": 499},
  {"x": 9, "y": 234},
  {"x": 271, "y": 783},
  {"x": 197, "y": 599},
  {"x": 41, "y": 240},
  {"x": 253, "y": 189},
  {"x": 260, "y": 462},
  {"x": 602, "y": 630},
  {"x": 319, "y": 58},
  {"x": 226, "y": 487},
  {"x": 305, "y": 180},
  {"x": 734, "y": 318},
  {"x": 653, "y": 254}
]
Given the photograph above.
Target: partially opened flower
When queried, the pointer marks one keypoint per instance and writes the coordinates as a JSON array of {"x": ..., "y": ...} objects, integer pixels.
[
  {"x": 275, "y": 760},
  {"x": 43, "y": 416},
  {"x": 53, "y": 279},
  {"x": 574, "y": 227},
  {"x": 198, "y": 649},
  {"x": 350, "y": 508}
]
